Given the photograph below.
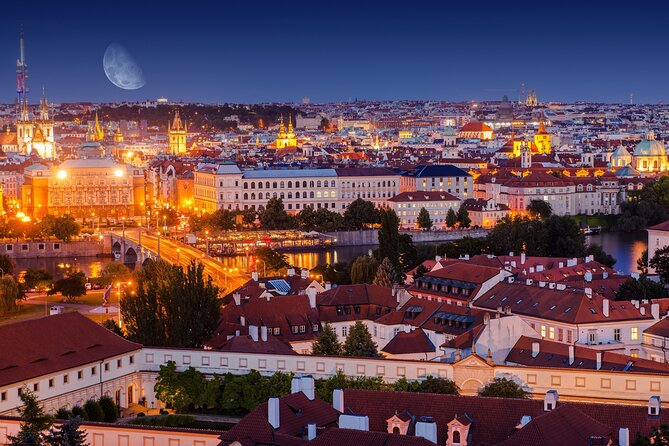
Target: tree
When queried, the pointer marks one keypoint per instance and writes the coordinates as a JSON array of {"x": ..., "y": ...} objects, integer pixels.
[
  {"x": 34, "y": 422},
  {"x": 389, "y": 239},
  {"x": 78, "y": 411},
  {"x": 326, "y": 343},
  {"x": 443, "y": 386},
  {"x": 660, "y": 263},
  {"x": 274, "y": 216},
  {"x": 601, "y": 256},
  {"x": 94, "y": 411},
  {"x": 270, "y": 260},
  {"x": 463, "y": 217},
  {"x": 37, "y": 278},
  {"x": 640, "y": 289},
  {"x": 71, "y": 287},
  {"x": 9, "y": 295},
  {"x": 658, "y": 437},
  {"x": 539, "y": 209},
  {"x": 385, "y": 274},
  {"x": 171, "y": 307},
  {"x": 420, "y": 271},
  {"x": 66, "y": 228},
  {"x": 563, "y": 237},
  {"x": 359, "y": 342},
  {"x": 360, "y": 213},
  {"x": 168, "y": 387},
  {"x": 69, "y": 433},
  {"x": 503, "y": 388},
  {"x": 306, "y": 219},
  {"x": 642, "y": 262},
  {"x": 451, "y": 218},
  {"x": 109, "y": 408},
  {"x": 222, "y": 220},
  {"x": 424, "y": 221},
  {"x": 334, "y": 273},
  {"x": 113, "y": 272},
  {"x": 363, "y": 269},
  {"x": 6, "y": 265}
]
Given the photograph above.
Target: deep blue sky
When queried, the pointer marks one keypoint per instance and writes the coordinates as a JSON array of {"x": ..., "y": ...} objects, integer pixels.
[{"x": 261, "y": 51}]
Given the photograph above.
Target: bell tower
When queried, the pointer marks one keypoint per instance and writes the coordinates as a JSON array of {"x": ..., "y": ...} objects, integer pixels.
[
  {"x": 542, "y": 139},
  {"x": 177, "y": 133}
]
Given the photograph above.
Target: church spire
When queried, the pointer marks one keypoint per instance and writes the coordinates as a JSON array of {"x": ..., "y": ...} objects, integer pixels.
[
  {"x": 98, "y": 133},
  {"x": 290, "y": 123}
]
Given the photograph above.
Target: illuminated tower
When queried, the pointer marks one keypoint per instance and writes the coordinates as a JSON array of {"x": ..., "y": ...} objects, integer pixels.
[
  {"x": 95, "y": 132},
  {"x": 24, "y": 128},
  {"x": 525, "y": 156},
  {"x": 542, "y": 139},
  {"x": 286, "y": 138},
  {"x": 177, "y": 133},
  {"x": 43, "y": 139}
]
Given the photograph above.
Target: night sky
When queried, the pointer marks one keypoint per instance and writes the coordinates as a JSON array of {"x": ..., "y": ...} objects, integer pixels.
[{"x": 262, "y": 51}]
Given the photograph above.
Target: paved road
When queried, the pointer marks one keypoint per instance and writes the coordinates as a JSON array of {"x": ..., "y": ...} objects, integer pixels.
[{"x": 180, "y": 253}]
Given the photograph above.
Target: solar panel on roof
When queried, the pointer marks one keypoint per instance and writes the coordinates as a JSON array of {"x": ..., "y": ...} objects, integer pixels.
[{"x": 280, "y": 285}]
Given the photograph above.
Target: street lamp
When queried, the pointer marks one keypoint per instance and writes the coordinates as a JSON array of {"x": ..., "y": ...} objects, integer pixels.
[
  {"x": 178, "y": 256},
  {"x": 207, "y": 240}
]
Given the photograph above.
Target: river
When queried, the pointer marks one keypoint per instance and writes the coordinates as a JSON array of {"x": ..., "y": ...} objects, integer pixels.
[{"x": 626, "y": 248}]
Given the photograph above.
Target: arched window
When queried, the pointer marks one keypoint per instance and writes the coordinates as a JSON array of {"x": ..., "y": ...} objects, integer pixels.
[
  {"x": 645, "y": 164},
  {"x": 246, "y": 185},
  {"x": 273, "y": 195},
  {"x": 246, "y": 196},
  {"x": 456, "y": 437},
  {"x": 274, "y": 185},
  {"x": 304, "y": 184},
  {"x": 259, "y": 184},
  {"x": 290, "y": 195},
  {"x": 290, "y": 184},
  {"x": 396, "y": 430},
  {"x": 311, "y": 184},
  {"x": 266, "y": 184},
  {"x": 253, "y": 196},
  {"x": 282, "y": 195},
  {"x": 253, "y": 185},
  {"x": 318, "y": 183},
  {"x": 311, "y": 194}
]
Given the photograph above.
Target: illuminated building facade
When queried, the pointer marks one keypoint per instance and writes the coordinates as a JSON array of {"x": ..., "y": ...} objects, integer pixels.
[
  {"x": 286, "y": 138},
  {"x": 84, "y": 188},
  {"x": 649, "y": 156},
  {"x": 177, "y": 133}
]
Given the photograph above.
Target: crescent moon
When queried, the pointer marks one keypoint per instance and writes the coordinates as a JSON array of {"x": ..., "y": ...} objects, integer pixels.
[{"x": 121, "y": 69}]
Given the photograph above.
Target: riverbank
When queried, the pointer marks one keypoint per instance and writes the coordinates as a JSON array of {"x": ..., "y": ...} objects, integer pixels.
[
  {"x": 52, "y": 249},
  {"x": 370, "y": 237}
]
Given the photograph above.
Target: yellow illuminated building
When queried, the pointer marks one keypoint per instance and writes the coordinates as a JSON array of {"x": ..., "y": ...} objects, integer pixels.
[
  {"x": 177, "y": 133},
  {"x": 542, "y": 139},
  {"x": 286, "y": 138}
]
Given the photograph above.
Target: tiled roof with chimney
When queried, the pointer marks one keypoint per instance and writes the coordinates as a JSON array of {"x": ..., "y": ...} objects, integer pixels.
[
  {"x": 342, "y": 437},
  {"x": 556, "y": 355},
  {"x": 355, "y": 302},
  {"x": 50, "y": 344}
]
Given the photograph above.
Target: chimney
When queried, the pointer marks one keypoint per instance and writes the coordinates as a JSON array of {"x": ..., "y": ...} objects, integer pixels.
[
  {"x": 623, "y": 437},
  {"x": 551, "y": 285},
  {"x": 589, "y": 258},
  {"x": 605, "y": 307},
  {"x": 304, "y": 273},
  {"x": 635, "y": 275},
  {"x": 588, "y": 292},
  {"x": 291, "y": 272},
  {"x": 437, "y": 258},
  {"x": 242, "y": 321},
  {"x": 238, "y": 298},
  {"x": 263, "y": 333},
  {"x": 572, "y": 353},
  {"x": 655, "y": 311},
  {"x": 571, "y": 262},
  {"x": 540, "y": 268},
  {"x": 598, "y": 366},
  {"x": 338, "y": 400},
  {"x": 525, "y": 420},
  {"x": 535, "y": 349},
  {"x": 605, "y": 275},
  {"x": 328, "y": 286},
  {"x": 542, "y": 284},
  {"x": 561, "y": 265},
  {"x": 311, "y": 431},
  {"x": 550, "y": 400},
  {"x": 254, "y": 276},
  {"x": 308, "y": 386},
  {"x": 654, "y": 406},
  {"x": 642, "y": 310},
  {"x": 511, "y": 279},
  {"x": 355, "y": 422},
  {"x": 522, "y": 258},
  {"x": 587, "y": 276},
  {"x": 427, "y": 430},
  {"x": 511, "y": 254},
  {"x": 531, "y": 269},
  {"x": 513, "y": 263},
  {"x": 561, "y": 286},
  {"x": 295, "y": 384},
  {"x": 311, "y": 294},
  {"x": 253, "y": 332},
  {"x": 635, "y": 303},
  {"x": 273, "y": 412},
  {"x": 529, "y": 282}
]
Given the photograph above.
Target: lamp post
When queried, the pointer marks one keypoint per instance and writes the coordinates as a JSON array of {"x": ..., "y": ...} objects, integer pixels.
[
  {"x": 123, "y": 240},
  {"x": 207, "y": 240},
  {"x": 178, "y": 256}
]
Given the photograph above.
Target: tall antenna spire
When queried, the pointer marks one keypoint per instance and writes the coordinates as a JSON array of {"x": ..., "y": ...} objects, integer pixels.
[{"x": 21, "y": 82}]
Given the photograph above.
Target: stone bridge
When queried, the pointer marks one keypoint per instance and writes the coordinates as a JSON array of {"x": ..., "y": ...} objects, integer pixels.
[{"x": 127, "y": 251}]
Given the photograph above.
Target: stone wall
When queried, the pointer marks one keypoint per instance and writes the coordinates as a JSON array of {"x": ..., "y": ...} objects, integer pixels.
[
  {"x": 51, "y": 248},
  {"x": 371, "y": 236}
]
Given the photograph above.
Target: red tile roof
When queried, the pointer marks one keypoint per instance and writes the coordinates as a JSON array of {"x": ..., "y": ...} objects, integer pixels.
[
  {"x": 415, "y": 341},
  {"x": 51, "y": 344},
  {"x": 372, "y": 301},
  {"x": 423, "y": 196},
  {"x": 343, "y": 437},
  {"x": 664, "y": 226}
]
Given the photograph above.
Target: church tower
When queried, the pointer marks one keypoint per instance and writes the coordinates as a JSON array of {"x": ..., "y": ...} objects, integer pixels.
[
  {"x": 526, "y": 156},
  {"x": 177, "y": 133},
  {"x": 95, "y": 132},
  {"x": 542, "y": 139},
  {"x": 286, "y": 138},
  {"x": 43, "y": 141}
]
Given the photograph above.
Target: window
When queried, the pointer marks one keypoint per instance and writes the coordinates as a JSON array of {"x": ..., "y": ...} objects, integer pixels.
[
  {"x": 94, "y": 371},
  {"x": 592, "y": 337},
  {"x": 132, "y": 360},
  {"x": 3, "y": 396},
  {"x": 543, "y": 331},
  {"x": 277, "y": 331},
  {"x": 118, "y": 363},
  {"x": 51, "y": 382},
  {"x": 66, "y": 379},
  {"x": 36, "y": 387},
  {"x": 294, "y": 329},
  {"x": 344, "y": 331},
  {"x": 106, "y": 367},
  {"x": 560, "y": 334},
  {"x": 303, "y": 328},
  {"x": 80, "y": 374},
  {"x": 569, "y": 336},
  {"x": 634, "y": 335},
  {"x": 551, "y": 332},
  {"x": 616, "y": 334}
]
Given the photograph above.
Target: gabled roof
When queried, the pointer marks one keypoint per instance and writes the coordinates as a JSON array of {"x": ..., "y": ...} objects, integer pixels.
[
  {"x": 415, "y": 341},
  {"x": 52, "y": 344}
]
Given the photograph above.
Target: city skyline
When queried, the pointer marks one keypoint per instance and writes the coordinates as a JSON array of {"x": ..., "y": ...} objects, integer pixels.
[{"x": 281, "y": 52}]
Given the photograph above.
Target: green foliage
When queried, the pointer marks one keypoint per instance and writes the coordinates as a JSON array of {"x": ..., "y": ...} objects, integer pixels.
[
  {"x": 563, "y": 237},
  {"x": 33, "y": 421},
  {"x": 420, "y": 271},
  {"x": 274, "y": 216},
  {"x": 337, "y": 273},
  {"x": 111, "y": 325},
  {"x": 385, "y": 274},
  {"x": 503, "y": 388},
  {"x": 168, "y": 386},
  {"x": 165, "y": 421},
  {"x": 37, "y": 278},
  {"x": 6, "y": 265},
  {"x": 242, "y": 393},
  {"x": 114, "y": 272},
  {"x": 463, "y": 217},
  {"x": 322, "y": 220},
  {"x": 600, "y": 255},
  {"x": 70, "y": 287},
  {"x": 109, "y": 409},
  {"x": 389, "y": 239},
  {"x": 171, "y": 307},
  {"x": 359, "y": 342},
  {"x": 540, "y": 209},
  {"x": 269, "y": 261},
  {"x": 658, "y": 437},
  {"x": 645, "y": 208},
  {"x": 9, "y": 295},
  {"x": 94, "y": 411},
  {"x": 640, "y": 289},
  {"x": 327, "y": 343},
  {"x": 424, "y": 221},
  {"x": 360, "y": 213},
  {"x": 63, "y": 414},
  {"x": 79, "y": 411},
  {"x": 642, "y": 262},
  {"x": 63, "y": 228},
  {"x": 325, "y": 387},
  {"x": 451, "y": 218},
  {"x": 68, "y": 433},
  {"x": 363, "y": 269},
  {"x": 660, "y": 262}
]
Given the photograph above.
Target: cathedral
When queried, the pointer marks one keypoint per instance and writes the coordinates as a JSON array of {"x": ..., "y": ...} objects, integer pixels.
[
  {"x": 286, "y": 138},
  {"x": 649, "y": 156}
]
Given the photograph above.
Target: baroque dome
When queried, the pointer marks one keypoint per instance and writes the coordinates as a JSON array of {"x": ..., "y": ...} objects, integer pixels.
[{"x": 649, "y": 147}]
